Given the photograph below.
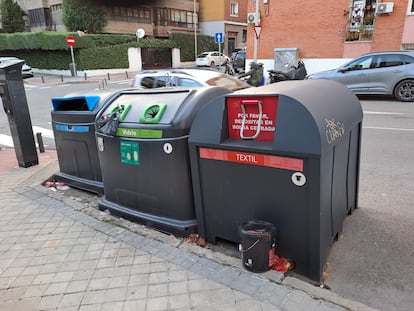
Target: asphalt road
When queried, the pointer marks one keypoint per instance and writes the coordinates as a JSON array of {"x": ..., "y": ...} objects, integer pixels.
[{"x": 372, "y": 260}]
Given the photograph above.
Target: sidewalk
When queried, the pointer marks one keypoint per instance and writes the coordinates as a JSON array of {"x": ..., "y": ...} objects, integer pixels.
[{"x": 58, "y": 254}]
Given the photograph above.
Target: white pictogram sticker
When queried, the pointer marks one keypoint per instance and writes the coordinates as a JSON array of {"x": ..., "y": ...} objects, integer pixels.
[{"x": 298, "y": 179}]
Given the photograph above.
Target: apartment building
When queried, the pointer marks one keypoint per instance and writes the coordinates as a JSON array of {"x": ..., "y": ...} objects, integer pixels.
[
  {"x": 158, "y": 18},
  {"x": 228, "y": 17}
]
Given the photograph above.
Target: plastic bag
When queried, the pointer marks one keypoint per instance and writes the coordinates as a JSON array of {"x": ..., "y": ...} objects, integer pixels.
[{"x": 108, "y": 123}]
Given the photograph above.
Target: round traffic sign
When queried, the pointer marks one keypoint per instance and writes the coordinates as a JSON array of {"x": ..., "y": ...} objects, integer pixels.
[{"x": 70, "y": 40}]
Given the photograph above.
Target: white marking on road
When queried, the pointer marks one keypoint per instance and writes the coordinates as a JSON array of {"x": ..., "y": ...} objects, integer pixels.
[
  {"x": 45, "y": 87},
  {"x": 121, "y": 81},
  {"x": 383, "y": 113},
  {"x": 64, "y": 85},
  {"x": 45, "y": 132},
  {"x": 6, "y": 140},
  {"x": 388, "y": 128}
]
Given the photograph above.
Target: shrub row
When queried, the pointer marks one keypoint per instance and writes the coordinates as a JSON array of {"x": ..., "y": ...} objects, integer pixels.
[{"x": 48, "y": 50}]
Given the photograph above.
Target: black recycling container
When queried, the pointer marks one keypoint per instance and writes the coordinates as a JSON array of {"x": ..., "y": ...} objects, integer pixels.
[
  {"x": 257, "y": 245},
  {"x": 73, "y": 122},
  {"x": 286, "y": 153},
  {"x": 145, "y": 165}
]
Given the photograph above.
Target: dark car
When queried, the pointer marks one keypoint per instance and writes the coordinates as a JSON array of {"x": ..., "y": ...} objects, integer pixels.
[
  {"x": 239, "y": 62},
  {"x": 379, "y": 73}
]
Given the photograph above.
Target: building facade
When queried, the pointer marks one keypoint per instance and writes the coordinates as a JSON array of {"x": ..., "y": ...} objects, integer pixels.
[
  {"x": 158, "y": 18},
  {"x": 338, "y": 29},
  {"x": 227, "y": 17}
]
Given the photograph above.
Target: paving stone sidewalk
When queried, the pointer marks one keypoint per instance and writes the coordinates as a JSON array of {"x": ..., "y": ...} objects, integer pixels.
[{"x": 54, "y": 256}]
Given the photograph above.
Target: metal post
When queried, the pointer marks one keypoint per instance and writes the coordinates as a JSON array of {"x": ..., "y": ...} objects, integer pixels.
[
  {"x": 40, "y": 142},
  {"x": 195, "y": 31},
  {"x": 255, "y": 37},
  {"x": 73, "y": 60}
]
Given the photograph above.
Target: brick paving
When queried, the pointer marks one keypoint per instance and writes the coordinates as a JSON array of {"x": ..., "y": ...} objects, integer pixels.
[{"x": 54, "y": 256}]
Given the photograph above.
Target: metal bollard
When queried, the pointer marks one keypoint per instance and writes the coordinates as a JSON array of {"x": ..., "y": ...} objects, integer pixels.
[
  {"x": 61, "y": 78},
  {"x": 43, "y": 79},
  {"x": 86, "y": 77},
  {"x": 109, "y": 77},
  {"x": 40, "y": 142},
  {"x": 126, "y": 73}
]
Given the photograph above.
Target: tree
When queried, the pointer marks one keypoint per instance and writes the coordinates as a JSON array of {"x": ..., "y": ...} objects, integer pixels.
[
  {"x": 11, "y": 16},
  {"x": 83, "y": 15}
]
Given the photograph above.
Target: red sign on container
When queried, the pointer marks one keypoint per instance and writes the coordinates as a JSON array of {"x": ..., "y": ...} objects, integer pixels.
[{"x": 252, "y": 117}]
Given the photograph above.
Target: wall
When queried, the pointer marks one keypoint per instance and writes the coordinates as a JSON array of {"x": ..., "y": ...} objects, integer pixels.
[
  {"x": 408, "y": 32},
  {"x": 211, "y": 10},
  {"x": 318, "y": 29}
]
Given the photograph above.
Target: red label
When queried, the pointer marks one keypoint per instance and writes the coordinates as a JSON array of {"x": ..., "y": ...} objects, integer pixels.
[
  {"x": 255, "y": 109},
  {"x": 252, "y": 159}
]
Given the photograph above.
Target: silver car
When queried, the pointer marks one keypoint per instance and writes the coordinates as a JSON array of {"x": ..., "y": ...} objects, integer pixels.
[
  {"x": 379, "y": 73},
  {"x": 187, "y": 77}
]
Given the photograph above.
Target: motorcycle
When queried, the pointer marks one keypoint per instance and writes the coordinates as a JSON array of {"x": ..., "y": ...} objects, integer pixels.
[{"x": 294, "y": 73}]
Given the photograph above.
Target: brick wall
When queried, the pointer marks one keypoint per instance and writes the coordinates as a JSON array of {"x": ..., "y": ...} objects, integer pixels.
[{"x": 318, "y": 29}]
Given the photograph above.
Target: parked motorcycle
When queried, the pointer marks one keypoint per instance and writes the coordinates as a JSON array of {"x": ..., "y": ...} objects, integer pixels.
[{"x": 294, "y": 73}]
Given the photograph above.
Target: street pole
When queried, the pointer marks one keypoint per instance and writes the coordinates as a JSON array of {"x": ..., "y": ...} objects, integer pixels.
[
  {"x": 256, "y": 23},
  {"x": 73, "y": 61},
  {"x": 195, "y": 31}
]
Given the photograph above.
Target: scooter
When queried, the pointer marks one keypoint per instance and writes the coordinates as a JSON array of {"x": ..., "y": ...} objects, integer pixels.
[{"x": 294, "y": 73}]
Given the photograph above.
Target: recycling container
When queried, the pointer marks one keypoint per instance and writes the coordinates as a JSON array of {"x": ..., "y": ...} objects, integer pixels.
[
  {"x": 286, "y": 153},
  {"x": 73, "y": 122},
  {"x": 145, "y": 165}
]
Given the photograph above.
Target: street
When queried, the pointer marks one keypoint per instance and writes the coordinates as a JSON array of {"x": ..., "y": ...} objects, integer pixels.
[
  {"x": 372, "y": 260},
  {"x": 39, "y": 101}
]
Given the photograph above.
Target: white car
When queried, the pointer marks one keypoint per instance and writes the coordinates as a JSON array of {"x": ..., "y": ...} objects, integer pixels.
[
  {"x": 27, "y": 71},
  {"x": 211, "y": 59},
  {"x": 187, "y": 77}
]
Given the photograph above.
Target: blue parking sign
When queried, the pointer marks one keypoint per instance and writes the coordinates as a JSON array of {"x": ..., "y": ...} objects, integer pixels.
[{"x": 219, "y": 37}]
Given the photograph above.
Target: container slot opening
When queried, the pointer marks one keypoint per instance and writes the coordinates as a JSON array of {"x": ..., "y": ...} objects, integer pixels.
[
  {"x": 153, "y": 113},
  {"x": 81, "y": 103}
]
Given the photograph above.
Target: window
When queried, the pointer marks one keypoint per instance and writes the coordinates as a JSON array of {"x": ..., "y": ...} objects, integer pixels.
[
  {"x": 361, "y": 20},
  {"x": 411, "y": 7},
  {"x": 234, "y": 9},
  {"x": 360, "y": 64},
  {"x": 40, "y": 17},
  {"x": 388, "y": 61},
  {"x": 137, "y": 15}
]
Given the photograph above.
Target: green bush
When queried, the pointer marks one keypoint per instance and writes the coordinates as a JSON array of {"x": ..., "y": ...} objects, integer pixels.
[
  {"x": 48, "y": 50},
  {"x": 204, "y": 43}
]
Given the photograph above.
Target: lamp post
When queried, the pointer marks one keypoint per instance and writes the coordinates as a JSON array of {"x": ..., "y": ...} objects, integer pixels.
[{"x": 195, "y": 31}]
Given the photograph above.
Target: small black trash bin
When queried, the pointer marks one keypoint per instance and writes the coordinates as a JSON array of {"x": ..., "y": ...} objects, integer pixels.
[
  {"x": 286, "y": 153},
  {"x": 73, "y": 122},
  {"x": 145, "y": 165},
  {"x": 257, "y": 245}
]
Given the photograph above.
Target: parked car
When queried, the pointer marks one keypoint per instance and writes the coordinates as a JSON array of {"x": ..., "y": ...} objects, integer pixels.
[
  {"x": 188, "y": 77},
  {"x": 239, "y": 62},
  {"x": 211, "y": 59},
  {"x": 379, "y": 73},
  {"x": 235, "y": 51},
  {"x": 27, "y": 71}
]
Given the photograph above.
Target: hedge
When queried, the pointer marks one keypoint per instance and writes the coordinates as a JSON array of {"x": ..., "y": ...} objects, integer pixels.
[{"x": 48, "y": 50}]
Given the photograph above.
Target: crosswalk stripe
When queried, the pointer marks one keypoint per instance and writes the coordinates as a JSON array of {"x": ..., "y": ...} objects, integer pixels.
[
  {"x": 6, "y": 140},
  {"x": 45, "y": 132}
]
